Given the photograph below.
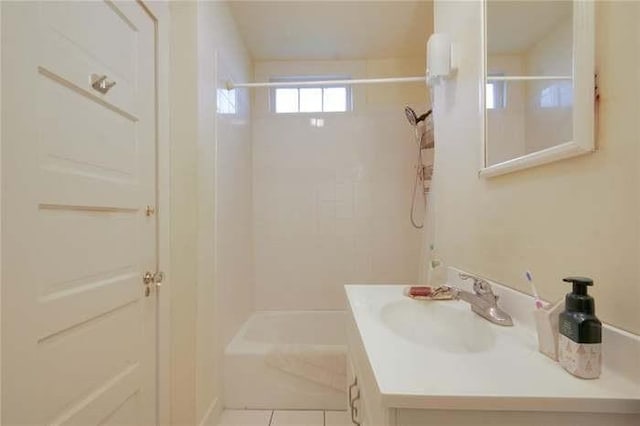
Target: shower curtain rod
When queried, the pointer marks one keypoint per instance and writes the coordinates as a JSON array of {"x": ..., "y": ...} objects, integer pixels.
[{"x": 231, "y": 85}]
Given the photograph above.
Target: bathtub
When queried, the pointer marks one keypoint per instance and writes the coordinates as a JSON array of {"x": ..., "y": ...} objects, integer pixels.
[{"x": 287, "y": 360}]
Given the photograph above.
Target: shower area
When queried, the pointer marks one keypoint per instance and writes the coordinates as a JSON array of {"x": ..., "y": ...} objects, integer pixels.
[{"x": 319, "y": 183}]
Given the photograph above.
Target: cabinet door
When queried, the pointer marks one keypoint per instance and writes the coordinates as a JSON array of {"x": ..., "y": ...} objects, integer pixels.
[
  {"x": 370, "y": 410},
  {"x": 356, "y": 403}
]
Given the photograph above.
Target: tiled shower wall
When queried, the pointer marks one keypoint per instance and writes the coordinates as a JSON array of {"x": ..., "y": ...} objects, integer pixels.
[
  {"x": 211, "y": 215},
  {"x": 331, "y": 203}
]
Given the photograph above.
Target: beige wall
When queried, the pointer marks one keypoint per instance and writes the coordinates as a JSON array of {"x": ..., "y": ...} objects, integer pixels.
[
  {"x": 577, "y": 216},
  {"x": 184, "y": 133},
  {"x": 210, "y": 206}
]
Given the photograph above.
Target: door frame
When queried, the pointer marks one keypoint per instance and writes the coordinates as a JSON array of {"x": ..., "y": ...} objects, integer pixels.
[
  {"x": 1, "y": 197},
  {"x": 159, "y": 13}
]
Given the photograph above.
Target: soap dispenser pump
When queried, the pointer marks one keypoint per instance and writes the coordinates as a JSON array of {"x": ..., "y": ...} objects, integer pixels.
[{"x": 580, "y": 337}]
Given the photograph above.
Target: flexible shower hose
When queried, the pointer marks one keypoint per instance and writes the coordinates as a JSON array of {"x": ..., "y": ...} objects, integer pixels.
[{"x": 419, "y": 181}]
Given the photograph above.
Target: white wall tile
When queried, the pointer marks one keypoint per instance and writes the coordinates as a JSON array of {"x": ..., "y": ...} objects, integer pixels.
[
  {"x": 297, "y": 418},
  {"x": 210, "y": 180},
  {"x": 245, "y": 418},
  {"x": 331, "y": 204},
  {"x": 233, "y": 195},
  {"x": 337, "y": 418}
]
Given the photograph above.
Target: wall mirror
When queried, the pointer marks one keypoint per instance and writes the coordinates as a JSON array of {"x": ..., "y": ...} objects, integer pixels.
[{"x": 538, "y": 82}]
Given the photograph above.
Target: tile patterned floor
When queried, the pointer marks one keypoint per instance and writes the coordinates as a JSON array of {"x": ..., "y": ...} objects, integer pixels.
[{"x": 284, "y": 418}]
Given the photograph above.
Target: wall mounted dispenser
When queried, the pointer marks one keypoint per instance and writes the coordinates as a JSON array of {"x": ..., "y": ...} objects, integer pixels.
[{"x": 440, "y": 63}]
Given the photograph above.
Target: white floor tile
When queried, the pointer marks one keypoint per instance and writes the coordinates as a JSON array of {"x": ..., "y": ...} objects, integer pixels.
[
  {"x": 337, "y": 418},
  {"x": 297, "y": 418},
  {"x": 245, "y": 418}
]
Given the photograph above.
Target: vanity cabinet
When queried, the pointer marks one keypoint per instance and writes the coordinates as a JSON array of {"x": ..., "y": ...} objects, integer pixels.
[
  {"x": 364, "y": 399},
  {"x": 367, "y": 405}
]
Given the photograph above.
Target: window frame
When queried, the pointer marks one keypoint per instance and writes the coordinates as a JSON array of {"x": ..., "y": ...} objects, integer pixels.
[{"x": 288, "y": 79}]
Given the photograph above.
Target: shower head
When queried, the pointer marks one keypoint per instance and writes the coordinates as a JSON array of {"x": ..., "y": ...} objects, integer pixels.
[
  {"x": 411, "y": 115},
  {"x": 413, "y": 118}
]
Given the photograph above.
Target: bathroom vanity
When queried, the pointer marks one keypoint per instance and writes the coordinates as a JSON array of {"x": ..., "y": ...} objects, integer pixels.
[{"x": 417, "y": 362}]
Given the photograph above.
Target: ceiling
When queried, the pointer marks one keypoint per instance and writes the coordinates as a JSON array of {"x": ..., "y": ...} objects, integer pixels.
[
  {"x": 515, "y": 26},
  {"x": 328, "y": 30}
]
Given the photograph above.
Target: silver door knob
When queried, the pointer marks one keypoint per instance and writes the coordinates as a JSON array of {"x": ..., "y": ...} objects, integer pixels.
[{"x": 149, "y": 279}]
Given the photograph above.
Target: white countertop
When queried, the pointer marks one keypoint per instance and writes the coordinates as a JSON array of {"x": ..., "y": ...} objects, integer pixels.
[{"x": 507, "y": 373}]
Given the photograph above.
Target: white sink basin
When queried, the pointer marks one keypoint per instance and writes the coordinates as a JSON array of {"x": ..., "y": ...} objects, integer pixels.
[
  {"x": 441, "y": 355},
  {"x": 441, "y": 325}
]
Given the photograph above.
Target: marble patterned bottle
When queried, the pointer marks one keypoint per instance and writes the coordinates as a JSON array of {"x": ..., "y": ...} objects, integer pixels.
[{"x": 580, "y": 341}]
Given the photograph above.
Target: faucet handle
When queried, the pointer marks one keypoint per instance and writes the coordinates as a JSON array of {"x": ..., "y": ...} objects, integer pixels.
[
  {"x": 464, "y": 276},
  {"x": 480, "y": 286}
]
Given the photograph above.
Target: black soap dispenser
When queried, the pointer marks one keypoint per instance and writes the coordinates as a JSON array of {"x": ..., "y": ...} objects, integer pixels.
[{"x": 580, "y": 339}]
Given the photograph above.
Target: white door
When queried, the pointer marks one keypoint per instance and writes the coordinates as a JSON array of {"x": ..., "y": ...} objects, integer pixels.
[{"x": 78, "y": 171}]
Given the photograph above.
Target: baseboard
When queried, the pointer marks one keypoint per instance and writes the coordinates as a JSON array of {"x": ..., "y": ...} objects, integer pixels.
[{"x": 211, "y": 416}]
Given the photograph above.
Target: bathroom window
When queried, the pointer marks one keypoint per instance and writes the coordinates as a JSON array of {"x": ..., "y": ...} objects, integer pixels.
[
  {"x": 305, "y": 99},
  {"x": 226, "y": 101},
  {"x": 496, "y": 97},
  {"x": 557, "y": 95}
]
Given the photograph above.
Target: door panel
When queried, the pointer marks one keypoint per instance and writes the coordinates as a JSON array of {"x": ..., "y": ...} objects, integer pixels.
[
  {"x": 101, "y": 140},
  {"x": 88, "y": 157},
  {"x": 79, "y": 361},
  {"x": 78, "y": 170},
  {"x": 81, "y": 38}
]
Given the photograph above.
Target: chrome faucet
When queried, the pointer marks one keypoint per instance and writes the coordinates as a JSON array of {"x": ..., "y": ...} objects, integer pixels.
[{"x": 483, "y": 301}]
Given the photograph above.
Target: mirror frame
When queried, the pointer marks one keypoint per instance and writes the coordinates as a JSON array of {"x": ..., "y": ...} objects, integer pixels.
[{"x": 584, "y": 93}]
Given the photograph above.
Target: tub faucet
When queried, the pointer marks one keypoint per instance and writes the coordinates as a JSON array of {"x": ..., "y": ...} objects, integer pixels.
[{"x": 483, "y": 301}]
